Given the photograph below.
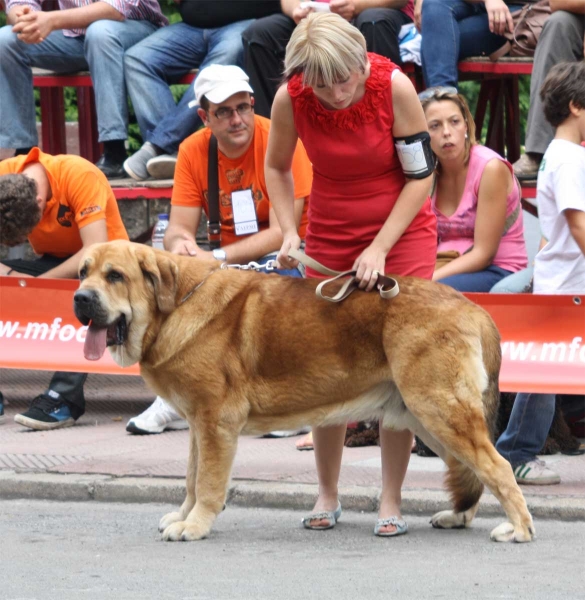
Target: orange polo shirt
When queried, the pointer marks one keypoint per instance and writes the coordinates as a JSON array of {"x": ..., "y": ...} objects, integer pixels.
[
  {"x": 81, "y": 195},
  {"x": 242, "y": 173}
]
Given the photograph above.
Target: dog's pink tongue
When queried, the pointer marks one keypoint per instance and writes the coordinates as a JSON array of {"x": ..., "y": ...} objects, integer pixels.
[{"x": 95, "y": 342}]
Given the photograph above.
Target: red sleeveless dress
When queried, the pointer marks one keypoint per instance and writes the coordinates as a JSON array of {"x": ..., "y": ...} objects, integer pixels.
[{"x": 357, "y": 178}]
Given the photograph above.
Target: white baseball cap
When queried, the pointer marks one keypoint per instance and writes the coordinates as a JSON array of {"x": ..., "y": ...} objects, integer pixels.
[{"x": 219, "y": 82}]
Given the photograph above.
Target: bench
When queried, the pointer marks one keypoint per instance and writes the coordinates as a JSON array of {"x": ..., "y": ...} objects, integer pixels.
[
  {"x": 543, "y": 337},
  {"x": 52, "y": 102}
]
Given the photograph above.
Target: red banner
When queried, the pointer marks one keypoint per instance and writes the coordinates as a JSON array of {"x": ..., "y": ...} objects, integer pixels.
[{"x": 543, "y": 337}]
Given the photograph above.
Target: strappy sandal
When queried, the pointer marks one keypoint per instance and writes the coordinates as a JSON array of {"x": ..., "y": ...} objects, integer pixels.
[
  {"x": 330, "y": 515},
  {"x": 400, "y": 524}
]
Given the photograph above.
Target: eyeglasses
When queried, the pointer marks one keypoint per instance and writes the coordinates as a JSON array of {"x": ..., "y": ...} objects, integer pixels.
[
  {"x": 225, "y": 112},
  {"x": 433, "y": 92}
]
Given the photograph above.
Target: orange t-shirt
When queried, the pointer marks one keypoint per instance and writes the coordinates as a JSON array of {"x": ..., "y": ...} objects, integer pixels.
[
  {"x": 246, "y": 172},
  {"x": 81, "y": 195}
]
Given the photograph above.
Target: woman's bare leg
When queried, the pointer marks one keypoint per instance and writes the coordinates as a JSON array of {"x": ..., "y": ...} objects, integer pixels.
[
  {"x": 328, "y": 443},
  {"x": 396, "y": 448}
]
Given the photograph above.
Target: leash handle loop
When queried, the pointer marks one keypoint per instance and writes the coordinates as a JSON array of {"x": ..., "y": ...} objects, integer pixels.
[{"x": 387, "y": 286}]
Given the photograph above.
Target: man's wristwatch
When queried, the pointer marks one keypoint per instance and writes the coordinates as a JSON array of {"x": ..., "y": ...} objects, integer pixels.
[{"x": 219, "y": 254}]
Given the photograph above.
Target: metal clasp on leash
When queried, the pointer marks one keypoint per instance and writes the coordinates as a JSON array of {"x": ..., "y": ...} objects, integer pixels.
[{"x": 251, "y": 266}]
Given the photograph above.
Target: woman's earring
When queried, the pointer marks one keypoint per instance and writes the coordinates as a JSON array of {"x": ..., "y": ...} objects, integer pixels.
[{"x": 466, "y": 136}]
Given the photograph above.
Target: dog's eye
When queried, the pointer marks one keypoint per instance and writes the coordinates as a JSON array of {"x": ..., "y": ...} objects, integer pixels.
[
  {"x": 82, "y": 273},
  {"x": 115, "y": 277}
]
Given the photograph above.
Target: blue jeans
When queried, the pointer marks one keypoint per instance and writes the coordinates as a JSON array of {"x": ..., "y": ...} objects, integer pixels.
[
  {"x": 517, "y": 283},
  {"x": 451, "y": 31},
  {"x": 162, "y": 59},
  {"x": 480, "y": 281},
  {"x": 530, "y": 421},
  {"x": 288, "y": 272},
  {"x": 101, "y": 51}
]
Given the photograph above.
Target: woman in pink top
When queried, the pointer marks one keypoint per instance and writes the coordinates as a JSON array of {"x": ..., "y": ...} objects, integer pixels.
[{"x": 475, "y": 198}]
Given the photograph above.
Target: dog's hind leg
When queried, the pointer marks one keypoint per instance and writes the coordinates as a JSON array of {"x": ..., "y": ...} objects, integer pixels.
[
  {"x": 465, "y": 490},
  {"x": 189, "y": 501},
  {"x": 464, "y": 487},
  {"x": 217, "y": 443},
  {"x": 460, "y": 427}
]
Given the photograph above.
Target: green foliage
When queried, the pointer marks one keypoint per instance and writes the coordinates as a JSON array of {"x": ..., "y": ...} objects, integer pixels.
[{"x": 2, "y": 18}]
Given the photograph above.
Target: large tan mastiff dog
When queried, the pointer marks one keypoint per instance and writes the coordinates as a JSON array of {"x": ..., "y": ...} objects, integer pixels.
[{"x": 246, "y": 353}]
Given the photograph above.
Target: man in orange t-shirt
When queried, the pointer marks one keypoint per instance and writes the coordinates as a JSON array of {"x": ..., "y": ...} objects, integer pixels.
[
  {"x": 62, "y": 204},
  {"x": 249, "y": 229}
]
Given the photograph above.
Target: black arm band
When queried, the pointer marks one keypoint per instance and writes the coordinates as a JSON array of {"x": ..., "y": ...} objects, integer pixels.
[{"x": 415, "y": 155}]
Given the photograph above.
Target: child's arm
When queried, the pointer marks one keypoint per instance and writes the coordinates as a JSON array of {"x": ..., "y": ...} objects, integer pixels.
[{"x": 576, "y": 220}]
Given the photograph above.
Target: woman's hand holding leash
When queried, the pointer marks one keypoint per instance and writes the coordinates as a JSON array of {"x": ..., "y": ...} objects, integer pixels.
[
  {"x": 283, "y": 260},
  {"x": 369, "y": 265}
]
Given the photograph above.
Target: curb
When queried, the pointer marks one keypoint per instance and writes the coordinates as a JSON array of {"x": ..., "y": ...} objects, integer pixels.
[{"x": 254, "y": 494}]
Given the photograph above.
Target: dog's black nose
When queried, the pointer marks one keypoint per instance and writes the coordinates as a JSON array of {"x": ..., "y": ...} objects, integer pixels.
[
  {"x": 83, "y": 298},
  {"x": 84, "y": 305}
]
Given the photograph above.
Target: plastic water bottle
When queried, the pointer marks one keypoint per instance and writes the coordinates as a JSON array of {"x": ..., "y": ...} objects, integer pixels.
[{"x": 158, "y": 233}]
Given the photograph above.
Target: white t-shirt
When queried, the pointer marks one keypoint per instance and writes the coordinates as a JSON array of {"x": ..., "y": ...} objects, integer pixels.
[{"x": 559, "y": 268}]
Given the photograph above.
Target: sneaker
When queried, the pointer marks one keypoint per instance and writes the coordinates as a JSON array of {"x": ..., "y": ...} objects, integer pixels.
[
  {"x": 135, "y": 166},
  {"x": 2, "y": 416},
  {"x": 535, "y": 472},
  {"x": 158, "y": 417},
  {"x": 526, "y": 167},
  {"x": 47, "y": 411},
  {"x": 287, "y": 433},
  {"x": 162, "y": 166}
]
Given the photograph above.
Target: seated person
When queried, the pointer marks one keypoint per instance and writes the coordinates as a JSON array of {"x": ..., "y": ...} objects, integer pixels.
[
  {"x": 265, "y": 40},
  {"x": 475, "y": 198},
  {"x": 62, "y": 204},
  {"x": 84, "y": 34},
  {"x": 455, "y": 29},
  {"x": 227, "y": 110},
  {"x": 210, "y": 32},
  {"x": 559, "y": 267},
  {"x": 561, "y": 40}
]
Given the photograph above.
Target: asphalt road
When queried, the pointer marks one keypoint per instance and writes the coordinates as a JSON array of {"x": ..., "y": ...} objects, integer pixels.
[{"x": 73, "y": 551}]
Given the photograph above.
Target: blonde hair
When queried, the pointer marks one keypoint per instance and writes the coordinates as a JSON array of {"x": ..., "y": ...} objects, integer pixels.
[
  {"x": 461, "y": 103},
  {"x": 326, "y": 49}
]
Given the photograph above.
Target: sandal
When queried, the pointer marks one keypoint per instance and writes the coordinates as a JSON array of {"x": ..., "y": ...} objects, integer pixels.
[
  {"x": 305, "y": 443},
  {"x": 400, "y": 524},
  {"x": 330, "y": 515}
]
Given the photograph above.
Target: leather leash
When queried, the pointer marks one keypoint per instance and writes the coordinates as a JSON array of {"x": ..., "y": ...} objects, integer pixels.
[{"x": 387, "y": 286}]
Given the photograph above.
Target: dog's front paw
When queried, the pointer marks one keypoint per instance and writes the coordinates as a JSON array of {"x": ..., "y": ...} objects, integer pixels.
[
  {"x": 506, "y": 533},
  {"x": 182, "y": 531},
  {"x": 169, "y": 519},
  {"x": 447, "y": 519}
]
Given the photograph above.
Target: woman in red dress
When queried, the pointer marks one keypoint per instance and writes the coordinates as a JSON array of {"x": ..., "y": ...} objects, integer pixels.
[{"x": 347, "y": 106}]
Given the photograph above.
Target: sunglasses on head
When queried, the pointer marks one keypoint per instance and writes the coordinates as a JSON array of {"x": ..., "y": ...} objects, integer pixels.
[{"x": 433, "y": 92}]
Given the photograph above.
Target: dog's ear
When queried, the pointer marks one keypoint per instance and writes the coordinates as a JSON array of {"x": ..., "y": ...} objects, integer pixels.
[{"x": 164, "y": 274}]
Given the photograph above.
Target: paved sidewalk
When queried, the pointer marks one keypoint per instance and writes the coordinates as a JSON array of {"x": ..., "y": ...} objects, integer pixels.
[{"x": 96, "y": 459}]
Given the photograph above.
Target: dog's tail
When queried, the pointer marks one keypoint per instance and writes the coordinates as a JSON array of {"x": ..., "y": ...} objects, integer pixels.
[
  {"x": 492, "y": 360},
  {"x": 464, "y": 487}
]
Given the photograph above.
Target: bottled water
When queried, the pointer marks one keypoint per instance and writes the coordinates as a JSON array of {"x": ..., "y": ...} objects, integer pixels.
[{"x": 158, "y": 233}]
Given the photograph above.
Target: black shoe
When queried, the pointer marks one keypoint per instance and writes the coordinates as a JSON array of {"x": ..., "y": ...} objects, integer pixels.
[
  {"x": 112, "y": 169},
  {"x": 46, "y": 412},
  {"x": 1, "y": 408}
]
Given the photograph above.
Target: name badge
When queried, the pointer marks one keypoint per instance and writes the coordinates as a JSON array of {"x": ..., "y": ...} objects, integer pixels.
[{"x": 245, "y": 220}]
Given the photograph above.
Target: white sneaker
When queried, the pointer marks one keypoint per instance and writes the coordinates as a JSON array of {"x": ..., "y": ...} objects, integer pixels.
[
  {"x": 162, "y": 166},
  {"x": 535, "y": 472},
  {"x": 158, "y": 417},
  {"x": 287, "y": 433}
]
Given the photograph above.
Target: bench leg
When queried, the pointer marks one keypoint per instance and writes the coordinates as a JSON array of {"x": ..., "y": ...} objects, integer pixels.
[
  {"x": 512, "y": 119},
  {"x": 53, "y": 119},
  {"x": 89, "y": 147}
]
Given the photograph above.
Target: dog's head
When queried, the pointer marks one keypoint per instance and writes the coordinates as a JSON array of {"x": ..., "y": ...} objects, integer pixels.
[{"x": 123, "y": 287}]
